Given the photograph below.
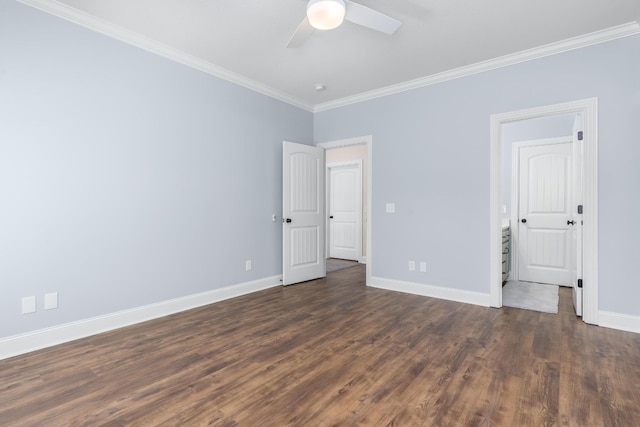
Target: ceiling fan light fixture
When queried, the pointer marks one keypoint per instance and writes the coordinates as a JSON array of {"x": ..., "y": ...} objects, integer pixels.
[{"x": 326, "y": 14}]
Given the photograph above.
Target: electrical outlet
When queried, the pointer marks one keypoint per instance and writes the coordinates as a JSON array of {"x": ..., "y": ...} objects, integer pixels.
[
  {"x": 247, "y": 265},
  {"x": 390, "y": 208},
  {"x": 51, "y": 301},
  {"x": 412, "y": 266},
  {"x": 28, "y": 305},
  {"x": 423, "y": 267}
]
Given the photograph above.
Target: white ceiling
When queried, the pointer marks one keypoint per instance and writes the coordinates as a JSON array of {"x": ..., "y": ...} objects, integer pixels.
[{"x": 244, "y": 40}]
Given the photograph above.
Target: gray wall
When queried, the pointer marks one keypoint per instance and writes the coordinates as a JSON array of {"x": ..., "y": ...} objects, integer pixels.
[
  {"x": 126, "y": 178},
  {"x": 431, "y": 157}
]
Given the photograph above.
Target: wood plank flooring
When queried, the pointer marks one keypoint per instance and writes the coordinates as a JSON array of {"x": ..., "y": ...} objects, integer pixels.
[{"x": 333, "y": 352}]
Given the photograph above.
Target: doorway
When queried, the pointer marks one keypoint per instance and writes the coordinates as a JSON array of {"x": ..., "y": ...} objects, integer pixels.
[
  {"x": 346, "y": 199},
  {"x": 587, "y": 110},
  {"x": 343, "y": 153}
]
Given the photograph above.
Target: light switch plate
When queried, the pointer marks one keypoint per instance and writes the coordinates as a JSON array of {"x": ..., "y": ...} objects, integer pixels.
[
  {"x": 423, "y": 267},
  {"x": 391, "y": 207}
]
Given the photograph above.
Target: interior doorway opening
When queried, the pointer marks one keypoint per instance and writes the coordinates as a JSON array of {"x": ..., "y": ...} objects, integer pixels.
[
  {"x": 587, "y": 111},
  {"x": 341, "y": 154},
  {"x": 345, "y": 202},
  {"x": 540, "y": 186}
]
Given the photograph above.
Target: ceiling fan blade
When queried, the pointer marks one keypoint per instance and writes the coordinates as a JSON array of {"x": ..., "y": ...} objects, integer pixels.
[
  {"x": 362, "y": 15},
  {"x": 302, "y": 33}
]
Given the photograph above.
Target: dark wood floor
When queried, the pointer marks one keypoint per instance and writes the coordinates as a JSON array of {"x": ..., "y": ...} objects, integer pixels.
[{"x": 334, "y": 352}]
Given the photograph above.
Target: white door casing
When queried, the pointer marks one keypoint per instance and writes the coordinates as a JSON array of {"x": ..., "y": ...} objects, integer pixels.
[
  {"x": 588, "y": 109},
  {"x": 303, "y": 213},
  {"x": 345, "y": 210},
  {"x": 545, "y": 244}
]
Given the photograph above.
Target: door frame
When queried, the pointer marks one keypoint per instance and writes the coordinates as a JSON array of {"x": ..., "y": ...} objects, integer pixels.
[
  {"x": 589, "y": 110},
  {"x": 357, "y": 164},
  {"x": 368, "y": 141},
  {"x": 515, "y": 194}
]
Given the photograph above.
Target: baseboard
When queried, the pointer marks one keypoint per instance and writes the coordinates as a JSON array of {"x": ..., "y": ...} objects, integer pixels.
[
  {"x": 36, "y": 340},
  {"x": 623, "y": 322},
  {"x": 451, "y": 294},
  {"x": 363, "y": 260}
]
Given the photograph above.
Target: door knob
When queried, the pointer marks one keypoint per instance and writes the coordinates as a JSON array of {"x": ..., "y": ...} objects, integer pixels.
[
  {"x": 288, "y": 220},
  {"x": 523, "y": 220},
  {"x": 330, "y": 216},
  {"x": 570, "y": 222}
]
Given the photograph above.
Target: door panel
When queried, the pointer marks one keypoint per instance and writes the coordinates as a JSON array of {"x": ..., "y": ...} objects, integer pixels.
[
  {"x": 545, "y": 252},
  {"x": 303, "y": 213},
  {"x": 547, "y": 247},
  {"x": 345, "y": 200},
  {"x": 305, "y": 240}
]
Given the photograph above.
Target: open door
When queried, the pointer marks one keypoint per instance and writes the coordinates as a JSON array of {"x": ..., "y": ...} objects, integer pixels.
[
  {"x": 303, "y": 213},
  {"x": 576, "y": 276}
]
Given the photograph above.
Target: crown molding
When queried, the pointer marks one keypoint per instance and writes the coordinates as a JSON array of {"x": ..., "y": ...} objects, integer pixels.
[
  {"x": 91, "y": 22},
  {"x": 613, "y": 33},
  {"x": 68, "y": 13}
]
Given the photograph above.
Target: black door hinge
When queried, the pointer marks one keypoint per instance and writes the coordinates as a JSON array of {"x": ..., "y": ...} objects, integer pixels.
[
  {"x": 580, "y": 283},
  {"x": 580, "y": 135},
  {"x": 580, "y": 209}
]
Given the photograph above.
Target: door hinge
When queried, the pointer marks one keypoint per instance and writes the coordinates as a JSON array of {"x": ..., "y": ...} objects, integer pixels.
[
  {"x": 580, "y": 136},
  {"x": 580, "y": 209},
  {"x": 580, "y": 283}
]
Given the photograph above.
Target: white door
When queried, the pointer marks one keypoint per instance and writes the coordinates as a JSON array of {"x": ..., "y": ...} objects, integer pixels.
[
  {"x": 576, "y": 277},
  {"x": 345, "y": 211},
  {"x": 545, "y": 249},
  {"x": 303, "y": 213}
]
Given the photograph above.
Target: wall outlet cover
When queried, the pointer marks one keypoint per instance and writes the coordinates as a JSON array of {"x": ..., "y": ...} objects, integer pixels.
[
  {"x": 390, "y": 207},
  {"x": 28, "y": 305},
  {"x": 51, "y": 301}
]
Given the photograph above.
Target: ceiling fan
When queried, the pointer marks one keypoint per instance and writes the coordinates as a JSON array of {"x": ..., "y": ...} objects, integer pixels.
[{"x": 329, "y": 14}]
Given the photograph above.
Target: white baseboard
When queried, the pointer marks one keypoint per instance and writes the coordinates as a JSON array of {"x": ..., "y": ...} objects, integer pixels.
[
  {"x": 363, "y": 260},
  {"x": 623, "y": 322},
  {"x": 36, "y": 340},
  {"x": 450, "y": 294}
]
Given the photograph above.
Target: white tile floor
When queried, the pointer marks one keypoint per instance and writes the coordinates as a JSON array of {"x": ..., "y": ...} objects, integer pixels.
[{"x": 530, "y": 296}]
